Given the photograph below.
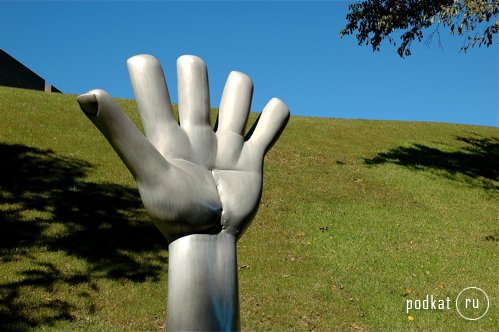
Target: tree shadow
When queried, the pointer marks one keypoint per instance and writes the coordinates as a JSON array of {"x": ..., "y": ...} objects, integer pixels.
[
  {"x": 476, "y": 163},
  {"x": 46, "y": 205}
]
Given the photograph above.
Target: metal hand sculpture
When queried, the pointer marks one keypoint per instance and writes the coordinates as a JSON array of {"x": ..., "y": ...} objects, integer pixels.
[{"x": 200, "y": 186}]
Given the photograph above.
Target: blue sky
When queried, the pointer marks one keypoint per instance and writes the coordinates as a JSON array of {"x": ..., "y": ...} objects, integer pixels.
[{"x": 291, "y": 50}]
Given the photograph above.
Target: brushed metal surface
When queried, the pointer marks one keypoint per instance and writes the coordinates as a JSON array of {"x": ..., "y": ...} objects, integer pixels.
[
  {"x": 202, "y": 283},
  {"x": 200, "y": 185}
]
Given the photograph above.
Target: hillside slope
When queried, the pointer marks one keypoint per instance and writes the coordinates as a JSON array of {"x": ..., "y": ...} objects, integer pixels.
[{"x": 357, "y": 218}]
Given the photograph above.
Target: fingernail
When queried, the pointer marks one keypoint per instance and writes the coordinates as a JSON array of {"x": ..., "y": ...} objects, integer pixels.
[{"x": 88, "y": 103}]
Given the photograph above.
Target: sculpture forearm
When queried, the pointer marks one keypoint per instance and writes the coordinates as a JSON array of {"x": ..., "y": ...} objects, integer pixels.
[{"x": 202, "y": 283}]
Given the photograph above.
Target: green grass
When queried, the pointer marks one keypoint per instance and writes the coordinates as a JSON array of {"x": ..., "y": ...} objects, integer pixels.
[{"x": 356, "y": 218}]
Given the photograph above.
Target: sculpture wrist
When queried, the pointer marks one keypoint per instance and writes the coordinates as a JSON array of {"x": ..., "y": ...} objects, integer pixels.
[{"x": 202, "y": 283}]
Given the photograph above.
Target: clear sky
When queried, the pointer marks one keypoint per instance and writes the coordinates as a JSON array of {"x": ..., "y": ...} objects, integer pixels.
[{"x": 291, "y": 50}]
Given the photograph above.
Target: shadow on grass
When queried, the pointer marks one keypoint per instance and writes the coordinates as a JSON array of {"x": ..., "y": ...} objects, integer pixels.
[
  {"x": 46, "y": 206},
  {"x": 477, "y": 163}
]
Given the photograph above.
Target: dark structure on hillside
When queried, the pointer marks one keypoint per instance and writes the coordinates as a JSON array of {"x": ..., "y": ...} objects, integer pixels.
[{"x": 15, "y": 74}]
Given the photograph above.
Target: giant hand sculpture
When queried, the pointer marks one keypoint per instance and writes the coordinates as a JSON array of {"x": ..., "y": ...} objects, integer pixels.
[{"x": 200, "y": 186}]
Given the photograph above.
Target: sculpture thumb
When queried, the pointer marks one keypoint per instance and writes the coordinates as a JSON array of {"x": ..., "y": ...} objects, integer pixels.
[
  {"x": 136, "y": 152},
  {"x": 88, "y": 103}
]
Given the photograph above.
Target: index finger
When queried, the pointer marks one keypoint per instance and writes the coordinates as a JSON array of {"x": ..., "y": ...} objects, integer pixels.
[{"x": 153, "y": 99}]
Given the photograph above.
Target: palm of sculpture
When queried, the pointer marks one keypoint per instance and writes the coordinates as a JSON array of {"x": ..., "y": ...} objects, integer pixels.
[{"x": 198, "y": 184}]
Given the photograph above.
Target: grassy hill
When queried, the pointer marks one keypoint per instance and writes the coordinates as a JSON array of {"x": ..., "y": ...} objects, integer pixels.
[{"x": 357, "y": 218}]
